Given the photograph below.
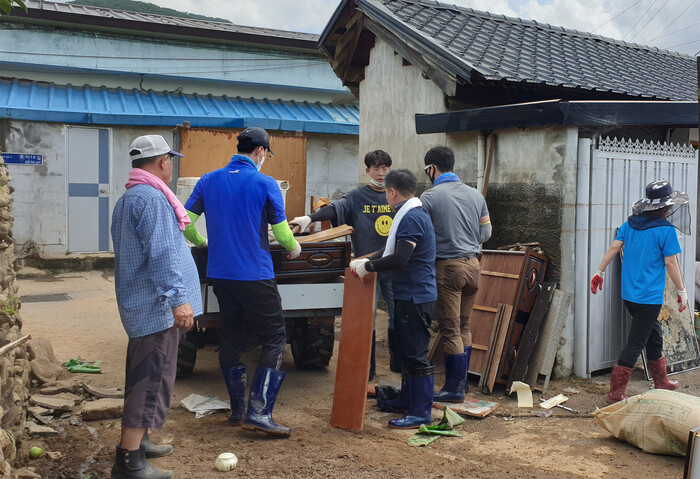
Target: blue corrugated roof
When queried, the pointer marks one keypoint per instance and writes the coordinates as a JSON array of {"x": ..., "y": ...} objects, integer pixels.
[{"x": 41, "y": 101}]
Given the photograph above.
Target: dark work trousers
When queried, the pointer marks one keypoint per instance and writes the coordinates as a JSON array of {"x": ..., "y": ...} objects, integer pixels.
[
  {"x": 411, "y": 323},
  {"x": 645, "y": 333},
  {"x": 254, "y": 303}
]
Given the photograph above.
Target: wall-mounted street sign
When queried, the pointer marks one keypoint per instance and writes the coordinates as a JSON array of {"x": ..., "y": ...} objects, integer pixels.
[{"x": 22, "y": 159}]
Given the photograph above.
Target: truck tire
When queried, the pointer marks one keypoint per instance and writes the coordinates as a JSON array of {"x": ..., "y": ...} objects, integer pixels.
[
  {"x": 186, "y": 355},
  {"x": 312, "y": 343}
]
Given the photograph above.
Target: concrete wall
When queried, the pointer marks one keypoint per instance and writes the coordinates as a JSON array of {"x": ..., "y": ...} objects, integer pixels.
[
  {"x": 40, "y": 191},
  {"x": 330, "y": 166},
  {"x": 137, "y": 62},
  {"x": 390, "y": 95}
]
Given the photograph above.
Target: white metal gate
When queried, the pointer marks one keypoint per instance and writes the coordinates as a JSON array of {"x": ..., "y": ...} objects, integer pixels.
[{"x": 619, "y": 171}]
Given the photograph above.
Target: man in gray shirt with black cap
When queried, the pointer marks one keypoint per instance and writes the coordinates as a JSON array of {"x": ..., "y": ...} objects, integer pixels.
[{"x": 462, "y": 223}]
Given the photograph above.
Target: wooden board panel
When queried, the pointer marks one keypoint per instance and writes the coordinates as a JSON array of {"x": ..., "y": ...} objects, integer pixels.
[
  {"x": 493, "y": 290},
  {"x": 531, "y": 333},
  {"x": 492, "y": 366},
  {"x": 207, "y": 149},
  {"x": 325, "y": 235},
  {"x": 534, "y": 266},
  {"x": 354, "y": 349}
]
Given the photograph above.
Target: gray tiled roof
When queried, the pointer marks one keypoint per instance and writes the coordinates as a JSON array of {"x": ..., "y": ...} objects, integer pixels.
[
  {"x": 509, "y": 49},
  {"x": 151, "y": 18}
]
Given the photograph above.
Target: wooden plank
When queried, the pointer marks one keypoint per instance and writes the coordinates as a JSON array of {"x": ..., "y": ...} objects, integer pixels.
[
  {"x": 326, "y": 235},
  {"x": 505, "y": 313},
  {"x": 354, "y": 349},
  {"x": 501, "y": 275},
  {"x": 489, "y": 351},
  {"x": 484, "y": 308},
  {"x": 532, "y": 331},
  {"x": 492, "y": 145}
]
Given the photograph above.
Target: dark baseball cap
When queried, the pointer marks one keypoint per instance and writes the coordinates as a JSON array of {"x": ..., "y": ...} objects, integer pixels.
[{"x": 254, "y": 137}]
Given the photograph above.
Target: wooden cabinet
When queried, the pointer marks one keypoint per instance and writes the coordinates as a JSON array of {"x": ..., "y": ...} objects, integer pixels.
[{"x": 507, "y": 277}]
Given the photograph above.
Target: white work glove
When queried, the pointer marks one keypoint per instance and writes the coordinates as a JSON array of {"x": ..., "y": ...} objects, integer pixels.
[
  {"x": 294, "y": 254},
  {"x": 682, "y": 299},
  {"x": 359, "y": 267},
  {"x": 301, "y": 222},
  {"x": 203, "y": 245},
  {"x": 597, "y": 281}
]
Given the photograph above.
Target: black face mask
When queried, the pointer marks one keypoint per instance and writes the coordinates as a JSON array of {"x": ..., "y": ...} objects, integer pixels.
[{"x": 430, "y": 177}]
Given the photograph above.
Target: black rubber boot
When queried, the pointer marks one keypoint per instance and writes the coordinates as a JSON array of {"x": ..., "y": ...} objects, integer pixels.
[
  {"x": 261, "y": 401},
  {"x": 153, "y": 451},
  {"x": 372, "y": 364},
  {"x": 133, "y": 465},
  {"x": 400, "y": 403},
  {"x": 394, "y": 354},
  {"x": 235, "y": 379}
]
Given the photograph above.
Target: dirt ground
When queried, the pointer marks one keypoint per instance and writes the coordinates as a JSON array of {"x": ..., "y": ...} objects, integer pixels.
[{"x": 510, "y": 441}]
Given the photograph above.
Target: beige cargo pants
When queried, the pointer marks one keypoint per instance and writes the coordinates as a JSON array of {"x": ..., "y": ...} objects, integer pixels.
[{"x": 457, "y": 283}]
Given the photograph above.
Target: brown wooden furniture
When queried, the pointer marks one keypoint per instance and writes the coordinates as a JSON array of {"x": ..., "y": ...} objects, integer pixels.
[
  {"x": 507, "y": 277},
  {"x": 207, "y": 149},
  {"x": 354, "y": 349}
]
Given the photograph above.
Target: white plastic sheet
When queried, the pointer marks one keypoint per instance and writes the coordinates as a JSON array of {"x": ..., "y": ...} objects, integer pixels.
[{"x": 203, "y": 405}]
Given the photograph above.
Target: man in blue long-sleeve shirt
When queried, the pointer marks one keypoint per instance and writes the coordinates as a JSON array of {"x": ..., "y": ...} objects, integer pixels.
[{"x": 158, "y": 295}]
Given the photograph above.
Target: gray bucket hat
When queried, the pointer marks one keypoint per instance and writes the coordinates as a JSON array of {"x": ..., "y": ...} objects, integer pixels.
[{"x": 659, "y": 194}]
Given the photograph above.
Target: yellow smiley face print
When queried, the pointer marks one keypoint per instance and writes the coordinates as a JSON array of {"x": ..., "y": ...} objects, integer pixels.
[{"x": 383, "y": 225}]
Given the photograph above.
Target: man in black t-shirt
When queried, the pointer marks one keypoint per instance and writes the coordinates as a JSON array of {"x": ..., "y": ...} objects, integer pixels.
[{"x": 367, "y": 211}]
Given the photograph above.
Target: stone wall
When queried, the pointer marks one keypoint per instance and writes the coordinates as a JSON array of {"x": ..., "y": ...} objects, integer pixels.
[{"x": 14, "y": 364}]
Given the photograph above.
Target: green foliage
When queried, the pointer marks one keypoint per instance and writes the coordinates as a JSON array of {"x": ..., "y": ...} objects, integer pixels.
[
  {"x": 142, "y": 7},
  {"x": 6, "y": 5}
]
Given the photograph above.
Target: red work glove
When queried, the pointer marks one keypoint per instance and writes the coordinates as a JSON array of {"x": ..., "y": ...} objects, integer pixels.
[
  {"x": 597, "y": 281},
  {"x": 682, "y": 300}
]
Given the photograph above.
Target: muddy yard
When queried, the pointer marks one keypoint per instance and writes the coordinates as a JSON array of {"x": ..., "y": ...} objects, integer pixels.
[{"x": 78, "y": 313}]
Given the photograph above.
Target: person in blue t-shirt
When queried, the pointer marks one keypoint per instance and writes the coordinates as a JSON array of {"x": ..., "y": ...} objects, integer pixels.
[
  {"x": 650, "y": 249},
  {"x": 240, "y": 202},
  {"x": 410, "y": 256}
]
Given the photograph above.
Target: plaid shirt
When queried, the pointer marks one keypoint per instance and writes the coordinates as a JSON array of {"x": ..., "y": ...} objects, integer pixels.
[{"x": 153, "y": 267}]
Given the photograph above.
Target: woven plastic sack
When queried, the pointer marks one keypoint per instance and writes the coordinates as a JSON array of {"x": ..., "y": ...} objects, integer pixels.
[{"x": 657, "y": 421}]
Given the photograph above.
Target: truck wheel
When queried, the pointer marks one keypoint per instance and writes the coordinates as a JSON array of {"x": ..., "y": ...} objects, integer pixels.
[
  {"x": 312, "y": 343},
  {"x": 187, "y": 355}
]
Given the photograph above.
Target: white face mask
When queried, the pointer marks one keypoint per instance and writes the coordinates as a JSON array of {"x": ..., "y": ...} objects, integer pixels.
[
  {"x": 377, "y": 184},
  {"x": 259, "y": 165}
]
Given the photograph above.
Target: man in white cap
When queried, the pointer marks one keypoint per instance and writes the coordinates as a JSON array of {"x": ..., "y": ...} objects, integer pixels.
[
  {"x": 158, "y": 295},
  {"x": 651, "y": 249}
]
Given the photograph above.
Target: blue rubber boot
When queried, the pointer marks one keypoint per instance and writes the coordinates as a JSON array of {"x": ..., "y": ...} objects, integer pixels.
[
  {"x": 468, "y": 352},
  {"x": 455, "y": 378},
  {"x": 421, "y": 385},
  {"x": 399, "y": 404},
  {"x": 261, "y": 401},
  {"x": 235, "y": 379}
]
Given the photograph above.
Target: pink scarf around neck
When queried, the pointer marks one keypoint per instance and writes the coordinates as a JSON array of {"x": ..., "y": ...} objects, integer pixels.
[{"x": 137, "y": 176}]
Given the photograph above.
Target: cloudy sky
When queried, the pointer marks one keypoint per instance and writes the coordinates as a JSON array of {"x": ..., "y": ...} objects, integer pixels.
[{"x": 669, "y": 24}]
